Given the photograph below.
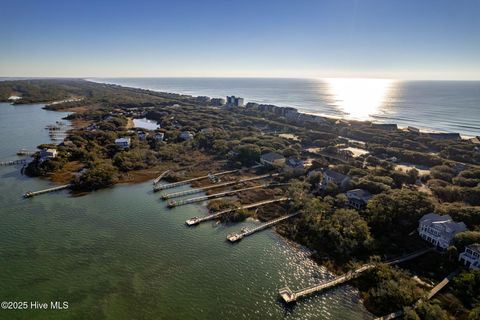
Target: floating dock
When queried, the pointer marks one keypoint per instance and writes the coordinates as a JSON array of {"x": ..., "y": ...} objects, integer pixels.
[
  {"x": 173, "y": 203},
  {"x": 289, "y": 296},
  {"x": 234, "y": 237},
  {"x": 196, "y": 220},
  {"x": 220, "y": 185},
  {"x": 31, "y": 194},
  {"x": 184, "y": 182}
]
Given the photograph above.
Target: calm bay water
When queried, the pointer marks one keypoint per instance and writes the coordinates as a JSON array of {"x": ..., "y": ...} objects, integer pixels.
[
  {"x": 121, "y": 254},
  {"x": 451, "y": 106}
]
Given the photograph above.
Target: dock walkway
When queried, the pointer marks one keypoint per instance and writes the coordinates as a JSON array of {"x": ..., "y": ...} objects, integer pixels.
[
  {"x": 234, "y": 237},
  {"x": 13, "y": 162},
  {"x": 31, "y": 194},
  {"x": 184, "y": 182},
  {"x": 196, "y": 220},
  {"x": 290, "y": 296},
  {"x": 160, "y": 177},
  {"x": 173, "y": 203},
  {"x": 220, "y": 185}
]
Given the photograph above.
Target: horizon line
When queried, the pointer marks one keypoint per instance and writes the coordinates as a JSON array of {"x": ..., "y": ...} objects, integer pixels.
[{"x": 223, "y": 77}]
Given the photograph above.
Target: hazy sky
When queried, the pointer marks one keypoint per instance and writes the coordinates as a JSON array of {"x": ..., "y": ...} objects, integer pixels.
[{"x": 407, "y": 39}]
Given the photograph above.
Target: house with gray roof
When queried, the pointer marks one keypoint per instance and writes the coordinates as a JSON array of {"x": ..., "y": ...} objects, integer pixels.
[
  {"x": 330, "y": 176},
  {"x": 439, "y": 230},
  {"x": 358, "y": 198},
  {"x": 272, "y": 159}
]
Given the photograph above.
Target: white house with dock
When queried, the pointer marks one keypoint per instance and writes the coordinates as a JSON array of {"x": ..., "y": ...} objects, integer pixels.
[{"x": 439, "y": 230}]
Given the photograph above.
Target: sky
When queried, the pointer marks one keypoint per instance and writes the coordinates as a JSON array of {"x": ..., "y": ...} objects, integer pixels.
[{"x": 399, "y": 39}]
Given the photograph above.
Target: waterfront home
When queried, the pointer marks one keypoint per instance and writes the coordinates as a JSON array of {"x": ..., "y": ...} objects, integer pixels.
[
  {"x": 186, "y": 135},
  {"x": 358, "y": 198},
  {"x": 413, "y": 129},
  {"x": 471, "y": 256},
  {"x": 272, "y": 159},
  {"x": 159, "y": 136},
  {"x": 444, "y": 135},
  {"x": 330, "y": 176},
  {"x": 233, "y": 101},
  {"x": 217, "y": 102},
  {"x": 123, "y": 143},
  {"x": 439, "y": 229},
  {"x": 47, "y": 154},
  {"x": 384, "y": 126},
  {"x": 142, "y": 136}
]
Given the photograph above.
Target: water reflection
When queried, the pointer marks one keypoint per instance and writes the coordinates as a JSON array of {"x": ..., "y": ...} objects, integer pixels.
[{"x": 360, "y": 98}]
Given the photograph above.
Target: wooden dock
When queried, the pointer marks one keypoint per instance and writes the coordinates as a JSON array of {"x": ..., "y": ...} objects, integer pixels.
[
  {"x": 25, "y": 152},
  {"x": 13, "y": 162},
  {"x": 196, "y": 220},
  {"x": 160, "y": 177},
  {"x": 31, "y": 194},
  {"x": 173, "y": 203},
  {"x": 234, "y": 237},
  {"x": 184, "y": 182},
  {"x": 289, "y": 296},
  {"x": 220, "y": 185}
]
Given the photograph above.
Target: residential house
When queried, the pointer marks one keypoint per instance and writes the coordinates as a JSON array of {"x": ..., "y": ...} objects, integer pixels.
[
  {"x": 413, "y": 129},
  {"x": 159, "y": 136},
  {"x": 142, "y": 135},
  {"x": 444, "y": 135},
  {"x": 471, "y": 256},
  {"x": 295, "y": 165},
  {"x": 123, "y": 143},
  {"x": 272, "y": 159},
  {"x": 217, "y": 102},
  {"x": 330, "y": 176},
  {"x": 358, "y": 198},
  {"x": 439, "y": 229},
  {"x": 385, "y": 126},
  {"x": 233, "y": 101},
  {"x": 186, "y": 135},
  {"x": 47, "y": 154}
]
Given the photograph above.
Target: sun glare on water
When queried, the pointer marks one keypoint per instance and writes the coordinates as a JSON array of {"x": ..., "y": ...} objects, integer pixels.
[{"x": 360, "y": 98}]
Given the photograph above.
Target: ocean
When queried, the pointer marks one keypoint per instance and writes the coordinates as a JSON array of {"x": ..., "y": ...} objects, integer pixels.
[{"x": 446, "y": 106}]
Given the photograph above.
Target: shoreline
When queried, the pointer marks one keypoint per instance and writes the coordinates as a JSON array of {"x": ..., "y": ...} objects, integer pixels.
[{"x": 422, "y": 129}]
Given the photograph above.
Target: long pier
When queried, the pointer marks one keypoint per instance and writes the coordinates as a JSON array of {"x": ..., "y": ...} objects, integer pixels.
[
  {"x": 31, "y": 194},
  {"x": 234, "y": 237},
  {"x": 184, "y": 182},
  {"x": 220, "y": 185},
  {"x": 196, "y": 220},
  {"x": 13, "y": 162},
  {"x": 290, "y": 296},
  {"x": 173, "y": 203}
]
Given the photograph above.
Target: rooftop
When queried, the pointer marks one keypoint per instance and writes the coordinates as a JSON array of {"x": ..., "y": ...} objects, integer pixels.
[{"x": 272, "y": 156}]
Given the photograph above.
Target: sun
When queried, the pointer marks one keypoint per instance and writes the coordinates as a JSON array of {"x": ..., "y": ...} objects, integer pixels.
[{"x": 359, "y": 98}]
